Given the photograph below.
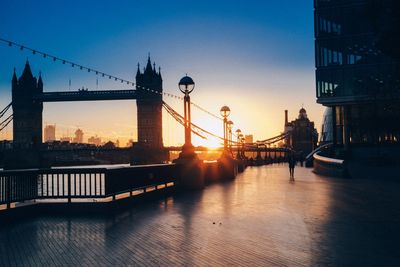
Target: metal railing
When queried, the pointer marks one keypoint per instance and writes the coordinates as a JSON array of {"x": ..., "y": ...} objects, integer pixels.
[
  {"x": 71, "y": 183},
  {"x": 82, "y": 183},
  {"x": 18, "y": 186}
]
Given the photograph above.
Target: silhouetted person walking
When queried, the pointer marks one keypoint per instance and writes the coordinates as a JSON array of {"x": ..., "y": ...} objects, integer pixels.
[{"x": 292, "y": 164}]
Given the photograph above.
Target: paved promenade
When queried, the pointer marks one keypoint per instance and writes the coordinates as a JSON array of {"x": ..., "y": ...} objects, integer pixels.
[{"x": 260, "y": 219}]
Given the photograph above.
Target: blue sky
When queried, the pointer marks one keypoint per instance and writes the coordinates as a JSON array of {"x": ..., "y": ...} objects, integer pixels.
[{"x": 255, "y": 56}]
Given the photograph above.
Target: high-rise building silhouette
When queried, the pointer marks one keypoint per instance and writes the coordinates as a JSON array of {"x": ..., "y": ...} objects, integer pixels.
[
  {"x": 50, "y": 133},
  {"x": 149, "y": 106},
  {"x": 78, "y": 136},
  {"x": 357, "y": 51},
  {"x": 27, "y": 113}
]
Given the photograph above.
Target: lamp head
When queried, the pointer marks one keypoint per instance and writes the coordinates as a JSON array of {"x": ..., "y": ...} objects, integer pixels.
[
  {"x": 186, "y": 85},
  {"x": 225, "y": 111}
]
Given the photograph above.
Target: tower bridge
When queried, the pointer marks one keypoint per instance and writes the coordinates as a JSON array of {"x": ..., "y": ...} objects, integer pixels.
[{"x": 28, "y": 98}]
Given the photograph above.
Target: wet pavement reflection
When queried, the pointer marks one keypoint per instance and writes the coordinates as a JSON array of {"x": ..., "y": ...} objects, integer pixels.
[{"x": 260, "y": 219}]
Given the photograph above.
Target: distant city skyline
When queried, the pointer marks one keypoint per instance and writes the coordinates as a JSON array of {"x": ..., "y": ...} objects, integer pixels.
[
  {"x": 257, "y": 58},
  {"x": 77, "y": 135}
]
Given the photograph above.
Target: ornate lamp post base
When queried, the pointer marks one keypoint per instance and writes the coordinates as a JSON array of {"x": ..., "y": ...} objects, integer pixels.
[
  {"x": 191, "y": 168},
  {"x": 188, "y": 152},
  {"x": 228, "y": 166}
]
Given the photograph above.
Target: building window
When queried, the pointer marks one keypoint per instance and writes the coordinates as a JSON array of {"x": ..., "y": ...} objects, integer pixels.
[
  {"x": 327, "y": 26},
  {"x": 328, "y": 57}
]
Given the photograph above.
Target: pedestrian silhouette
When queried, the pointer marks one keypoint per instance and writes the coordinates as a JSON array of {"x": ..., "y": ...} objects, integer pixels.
[{"x": 292, "y": 164}]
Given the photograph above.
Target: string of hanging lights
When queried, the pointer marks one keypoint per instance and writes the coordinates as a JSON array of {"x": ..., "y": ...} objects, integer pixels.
[{"x": 97, "y": 72}]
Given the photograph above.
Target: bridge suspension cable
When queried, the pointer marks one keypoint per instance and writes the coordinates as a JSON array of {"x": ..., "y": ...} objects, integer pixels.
[
  {"x": 5, "y": 110},
  {"x": 274, "y": 139},
  {"x": 5, "y": 122},
  {"x": 197, "y": 130}
]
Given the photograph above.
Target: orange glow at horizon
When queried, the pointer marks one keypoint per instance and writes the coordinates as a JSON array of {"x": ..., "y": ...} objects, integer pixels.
[{"x": 117, "y": 120}]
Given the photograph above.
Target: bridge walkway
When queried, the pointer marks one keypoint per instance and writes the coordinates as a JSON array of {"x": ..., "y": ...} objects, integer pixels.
[{"x": 260, "y": 219}]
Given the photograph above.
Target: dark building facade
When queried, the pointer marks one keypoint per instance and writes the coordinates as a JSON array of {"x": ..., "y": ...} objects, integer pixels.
[
  {"x": 303, "y": 138},
  {"x": 27, "y": 114},
  {"x": 149, "y": 106},
  {"x": 357, "y": 51}
]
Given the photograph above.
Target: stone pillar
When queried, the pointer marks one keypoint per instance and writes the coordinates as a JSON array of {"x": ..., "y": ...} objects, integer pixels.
[
  {"x": 228, "y": 167},
  {"x": 191, "y": 171}
]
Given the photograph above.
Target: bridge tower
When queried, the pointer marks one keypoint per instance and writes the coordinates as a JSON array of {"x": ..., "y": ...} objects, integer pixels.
[
  {"x": 149, "y": 106},
  {"x": 27, "y": 114}
]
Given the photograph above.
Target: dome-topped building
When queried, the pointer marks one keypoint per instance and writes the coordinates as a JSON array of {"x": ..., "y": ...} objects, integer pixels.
[
  {"x": 304, "y": 136},
  {"x": 302, "y": 113}
]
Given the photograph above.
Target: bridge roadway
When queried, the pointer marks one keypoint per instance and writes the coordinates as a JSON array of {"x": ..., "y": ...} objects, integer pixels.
[
  {"x": 83, "y": 95},
  {"x": 260, "y": 219}
]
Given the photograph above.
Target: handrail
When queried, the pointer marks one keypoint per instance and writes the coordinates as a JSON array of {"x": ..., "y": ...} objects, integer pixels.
[
  {"x": 318, "y": 149},
  {"x": 328, "y": 160}
]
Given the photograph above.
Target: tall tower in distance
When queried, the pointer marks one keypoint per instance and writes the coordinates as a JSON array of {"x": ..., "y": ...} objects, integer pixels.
[
  {"x": 78, "y": 136},
  {"x": 50, "y": 133},
  {"x": 149, "y": 106},
  {"x": 27, "y": 114}
]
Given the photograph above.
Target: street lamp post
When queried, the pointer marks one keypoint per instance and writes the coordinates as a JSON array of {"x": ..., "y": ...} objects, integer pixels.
[
  {"x": 225, "y": 111},
  {"x": 238, "y": 138},
  {"x": 242, "y": 145},
  {"x": 229, "y": 166},
  {"x": 186, "y": 86},
  {"x": 191, "y": 171},
  {"x": 230, "y": 126}
]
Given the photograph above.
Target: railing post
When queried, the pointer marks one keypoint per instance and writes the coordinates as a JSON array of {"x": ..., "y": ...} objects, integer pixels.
[
  {"x": 8, "y": 191},
  {"x": 69, "y": 188}
]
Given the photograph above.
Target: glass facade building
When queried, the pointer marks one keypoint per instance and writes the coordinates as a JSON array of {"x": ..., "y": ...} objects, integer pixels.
[
  {"x": 326, "y": 127},
  {"x": 357, "y": 58}
]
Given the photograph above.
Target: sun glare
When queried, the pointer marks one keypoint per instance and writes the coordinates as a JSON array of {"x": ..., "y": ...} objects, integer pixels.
[
  {"x": 213, "y": 143},
  {"x": 212, "y": 126}
]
